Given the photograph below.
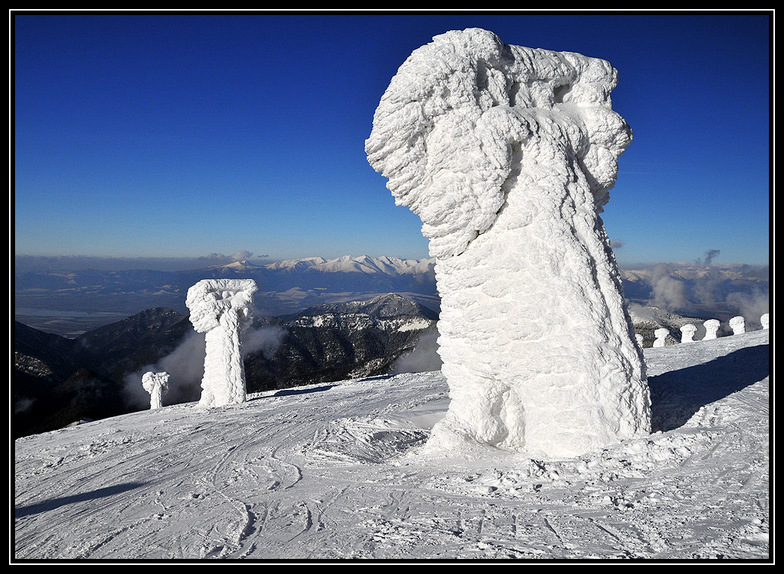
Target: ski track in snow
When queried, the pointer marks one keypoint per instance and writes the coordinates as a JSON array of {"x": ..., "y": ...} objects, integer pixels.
[{"x": 334, "y": 471}]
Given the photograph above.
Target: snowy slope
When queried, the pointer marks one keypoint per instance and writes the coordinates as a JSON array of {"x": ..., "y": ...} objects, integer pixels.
[{"x": 334, "y": 472}]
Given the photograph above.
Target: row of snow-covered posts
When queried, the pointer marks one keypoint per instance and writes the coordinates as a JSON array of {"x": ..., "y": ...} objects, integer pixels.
[{"x": 737, "y": 324}]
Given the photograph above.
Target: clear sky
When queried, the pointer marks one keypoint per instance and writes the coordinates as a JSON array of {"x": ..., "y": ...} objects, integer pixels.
[{"x": 186, "y": 134}]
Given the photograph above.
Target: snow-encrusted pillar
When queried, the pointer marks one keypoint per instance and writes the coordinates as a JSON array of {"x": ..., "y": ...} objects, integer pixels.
[
  {"x": 738, "y": 325},
  {"x": 687, "y": 333},
  {"x": 156, "y": 384},
  {"x": 661, "y": 337},
  {"x": 219, "y": 309},
  {"x": 765, "y": 320},
  {"x": 711, "y": 329},
  {"x": 507, "y": 154}
]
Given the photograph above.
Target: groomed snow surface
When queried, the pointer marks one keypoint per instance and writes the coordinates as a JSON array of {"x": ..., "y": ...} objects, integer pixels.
[{"x": 337, "y": 471}]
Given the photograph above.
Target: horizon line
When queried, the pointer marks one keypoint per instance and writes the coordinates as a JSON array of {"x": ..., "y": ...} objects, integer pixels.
[{"x": 219, "y": 258}]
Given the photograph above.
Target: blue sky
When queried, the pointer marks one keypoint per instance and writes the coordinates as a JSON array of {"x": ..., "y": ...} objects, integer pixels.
[{"x": 181, "y": 135}]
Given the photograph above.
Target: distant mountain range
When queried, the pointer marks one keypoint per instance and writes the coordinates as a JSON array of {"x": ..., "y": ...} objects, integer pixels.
[{"x": 73, "y": 301}]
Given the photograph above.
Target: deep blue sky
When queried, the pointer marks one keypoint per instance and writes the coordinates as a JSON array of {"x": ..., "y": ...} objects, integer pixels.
[{"x": 189, "y": 134}]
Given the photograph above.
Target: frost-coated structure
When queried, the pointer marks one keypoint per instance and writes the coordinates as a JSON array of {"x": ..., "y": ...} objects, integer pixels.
[
  {"x": 507, "y": 155},
  {"x": 687, "y": 333},
  {"x": 219, "y": 309},
  {"x": 765, "y": 320},
  {"x": 711, "y": 329},
  {"x": 661, "y": 337},
  {"x": 156, "y": 384},
  {"x": 738, "y": 325}
]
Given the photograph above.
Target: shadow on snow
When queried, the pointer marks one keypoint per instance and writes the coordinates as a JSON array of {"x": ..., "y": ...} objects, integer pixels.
[
  {"x": 54, "y": 503},
  {"x": 677, "y": 395}
]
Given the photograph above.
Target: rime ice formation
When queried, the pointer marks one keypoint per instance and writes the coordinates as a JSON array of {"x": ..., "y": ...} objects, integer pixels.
[
  {"x": 639, "y": 339},
  {"x": 219, "y": 308},
  {"x": 661, "y": 336},
  {"x": 156, "y": 384},
  {"x": 738, "y": 325},
  {"x": 711, "y": 329},
  {"x": 687, "y": 333},
  {"x": 765, "y": 320},
  {"x": 507, "y": 154}
]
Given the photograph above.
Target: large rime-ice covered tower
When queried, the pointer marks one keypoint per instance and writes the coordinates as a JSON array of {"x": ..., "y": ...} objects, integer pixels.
[
  {"x": 220, "y": 309},
  {"x": 507, "y": 154}
]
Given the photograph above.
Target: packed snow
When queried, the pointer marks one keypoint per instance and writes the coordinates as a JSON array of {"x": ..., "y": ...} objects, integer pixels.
[
  {"x": 507, "y": 155},
  {"x": 338, "y": 471},
  {"x": 221, "y": 308}
]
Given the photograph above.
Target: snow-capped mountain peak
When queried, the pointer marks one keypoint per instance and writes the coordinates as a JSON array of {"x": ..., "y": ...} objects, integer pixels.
[{"x": 356, "y": 264}]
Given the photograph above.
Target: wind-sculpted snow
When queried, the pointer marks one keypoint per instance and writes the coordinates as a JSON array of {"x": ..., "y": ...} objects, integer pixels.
[
  {"x": 220, "y": 309},
  {"x": 507, "y": 154}
]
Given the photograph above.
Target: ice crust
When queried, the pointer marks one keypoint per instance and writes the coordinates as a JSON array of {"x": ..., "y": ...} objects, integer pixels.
[
  {"x": 220, "y": 308},
  {"x": 507, "y": 155}
]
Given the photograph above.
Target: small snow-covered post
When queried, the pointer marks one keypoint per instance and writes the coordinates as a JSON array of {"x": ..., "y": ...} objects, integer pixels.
[
  {"x": 765, "y": 320},
  {"x": 639, "y": 339},
  {"x": 507, "y": 154},
  {"x": 738, "y": 325},
  {"x": 156, "y": 384},
  {"x": 687, "y": 333},
  {"x": 711, "y": 329},
  {"x": 661, "y": 336},
  {"x": 220, "y": 308}
]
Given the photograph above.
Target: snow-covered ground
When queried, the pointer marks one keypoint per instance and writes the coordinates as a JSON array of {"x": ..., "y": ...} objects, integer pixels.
[{"x": 334, "y": 471}]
